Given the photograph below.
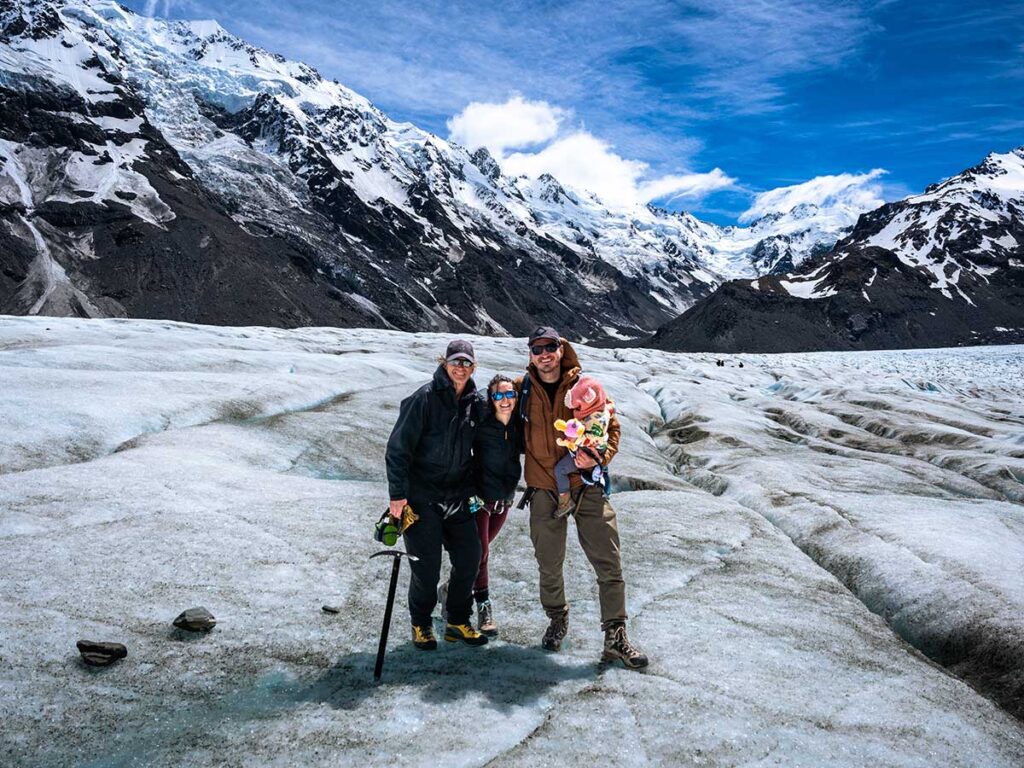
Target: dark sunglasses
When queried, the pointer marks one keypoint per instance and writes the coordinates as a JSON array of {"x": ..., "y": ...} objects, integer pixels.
[
  {"x": 539, "y": 349},
  {"x": 511, "y": 395},
  {"x": 461, "y": 363}
]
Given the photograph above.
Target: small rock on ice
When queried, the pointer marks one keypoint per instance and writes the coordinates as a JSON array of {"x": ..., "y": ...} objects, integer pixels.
[
  {"x": 97, "y": 654},
  {"x": 196, "y": 620}
]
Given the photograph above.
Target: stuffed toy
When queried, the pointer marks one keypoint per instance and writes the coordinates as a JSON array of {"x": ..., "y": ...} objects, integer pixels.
[{"x": 574, "y": 431}]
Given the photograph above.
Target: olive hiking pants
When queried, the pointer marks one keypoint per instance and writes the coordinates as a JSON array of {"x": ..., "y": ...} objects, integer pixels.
[{"x": 599, "y": 537}]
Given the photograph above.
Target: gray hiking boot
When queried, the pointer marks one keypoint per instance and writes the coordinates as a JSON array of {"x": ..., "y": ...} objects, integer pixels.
[
  {"x": 555, "y": 633},
  {"x": 485, "y": 619},
  {"x": 618, "y": 648}
]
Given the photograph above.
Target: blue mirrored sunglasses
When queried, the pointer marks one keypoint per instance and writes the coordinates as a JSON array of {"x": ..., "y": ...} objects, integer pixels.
[
  {"x": 503, "y": 395},
  {"x": 461, "y": 363}
]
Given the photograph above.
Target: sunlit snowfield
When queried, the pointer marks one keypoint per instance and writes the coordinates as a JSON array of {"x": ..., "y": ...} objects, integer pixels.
[{"x": 801, "y": 519}]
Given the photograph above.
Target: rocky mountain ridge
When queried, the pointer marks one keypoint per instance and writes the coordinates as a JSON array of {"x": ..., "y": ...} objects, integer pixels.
[{"x": 943, "y": 268}]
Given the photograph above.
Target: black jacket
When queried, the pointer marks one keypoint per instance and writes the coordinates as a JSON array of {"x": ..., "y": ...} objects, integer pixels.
[
  {"x": 497, "y": 448},
  {"x": 429, "y": 454}
]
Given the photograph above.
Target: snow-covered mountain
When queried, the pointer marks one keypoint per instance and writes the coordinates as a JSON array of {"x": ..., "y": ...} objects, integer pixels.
[
  {"x": 942, "y": 268},
  {"x": 170, "y": 169}
]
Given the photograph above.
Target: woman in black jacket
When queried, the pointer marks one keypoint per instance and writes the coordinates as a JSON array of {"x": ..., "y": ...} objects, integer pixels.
[
  {"x": 430, "y": 467},
  {"x": 497, "y": 447}
]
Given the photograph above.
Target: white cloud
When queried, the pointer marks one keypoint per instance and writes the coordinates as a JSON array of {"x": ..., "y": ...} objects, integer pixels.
[
  {"x": 578, "y": 159},
  {"x": 690, "y": 185},
  {"x": 583, "y": 162},
  {"x": 516, "y": 123},
  {"x": 859, "y": 192},
  {"x": 158, "y": 8}
]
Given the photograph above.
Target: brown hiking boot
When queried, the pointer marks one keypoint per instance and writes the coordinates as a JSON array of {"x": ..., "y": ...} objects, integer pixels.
[
  {"x": 555, "y": 633},
  {"x": 618, "y": 648},
  {"x": 485, "y": 619}
]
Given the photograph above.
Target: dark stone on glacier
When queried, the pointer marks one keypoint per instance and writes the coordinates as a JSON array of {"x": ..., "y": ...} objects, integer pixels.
[
  {"x": 100, "y": 654},
  {"x": 195, "y": 620}
]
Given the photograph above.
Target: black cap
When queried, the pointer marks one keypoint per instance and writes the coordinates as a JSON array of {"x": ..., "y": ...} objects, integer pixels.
[
  {"x": 544, "y": 332},
  {"x": 459, "y": 350}
]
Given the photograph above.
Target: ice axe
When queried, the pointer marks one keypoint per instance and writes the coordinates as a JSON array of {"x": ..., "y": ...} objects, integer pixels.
[{"x": 397, "y": 554}]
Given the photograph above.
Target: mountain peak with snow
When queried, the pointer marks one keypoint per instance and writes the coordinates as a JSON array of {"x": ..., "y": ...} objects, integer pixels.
[
  {"x": 945, "y": 267},
  {"x": 207, "y": 28}
]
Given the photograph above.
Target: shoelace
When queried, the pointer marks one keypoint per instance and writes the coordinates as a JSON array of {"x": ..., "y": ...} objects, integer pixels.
[
  {"x": 620, "y": 640},
  {"x": 556, "y": 627}
]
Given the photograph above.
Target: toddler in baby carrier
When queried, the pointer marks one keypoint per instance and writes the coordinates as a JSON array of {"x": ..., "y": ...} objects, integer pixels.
[{"x": 587, "y": 431}]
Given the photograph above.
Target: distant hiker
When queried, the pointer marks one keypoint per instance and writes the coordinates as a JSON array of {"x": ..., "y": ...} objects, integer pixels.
[
  {"x": 499, "y": 440},
  {"x": 586, "y": 431},
  {"x": 553, "y": 370},
  {"x": 430, "y": 468}
]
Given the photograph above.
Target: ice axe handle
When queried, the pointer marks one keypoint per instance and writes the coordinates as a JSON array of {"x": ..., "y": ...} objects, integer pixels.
[{"x": 396, "y": 564}]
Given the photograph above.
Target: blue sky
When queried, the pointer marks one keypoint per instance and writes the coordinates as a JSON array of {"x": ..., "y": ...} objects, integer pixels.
[{"x": 728, "y": 99}]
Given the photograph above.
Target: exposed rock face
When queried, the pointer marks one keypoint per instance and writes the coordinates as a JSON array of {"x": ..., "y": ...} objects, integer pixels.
[{"x": 945, "y": 268}]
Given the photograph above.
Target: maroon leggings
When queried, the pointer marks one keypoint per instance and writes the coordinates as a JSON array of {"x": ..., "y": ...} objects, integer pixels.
[{"x": 489, "y": 519}]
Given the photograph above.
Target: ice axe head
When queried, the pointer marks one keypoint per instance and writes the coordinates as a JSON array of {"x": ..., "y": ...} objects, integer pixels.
[{"x": 395, "y": 553}]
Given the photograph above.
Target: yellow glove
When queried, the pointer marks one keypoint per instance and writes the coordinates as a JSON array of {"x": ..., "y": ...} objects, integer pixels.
[{"x": 408, "y": 518}]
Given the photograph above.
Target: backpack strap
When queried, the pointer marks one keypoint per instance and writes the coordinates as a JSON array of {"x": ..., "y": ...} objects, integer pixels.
[{"x": 523, "y": 395}]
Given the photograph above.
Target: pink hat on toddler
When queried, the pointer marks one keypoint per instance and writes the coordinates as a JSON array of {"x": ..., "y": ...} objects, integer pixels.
[{"x": 587, "y": 396}]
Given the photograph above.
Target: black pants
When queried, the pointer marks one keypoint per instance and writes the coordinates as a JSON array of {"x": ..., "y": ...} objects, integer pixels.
[{"x": 458, "y": 535}]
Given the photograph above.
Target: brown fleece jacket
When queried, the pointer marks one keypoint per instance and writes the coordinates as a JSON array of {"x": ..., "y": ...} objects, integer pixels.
[{"x": 539, "y": 433}]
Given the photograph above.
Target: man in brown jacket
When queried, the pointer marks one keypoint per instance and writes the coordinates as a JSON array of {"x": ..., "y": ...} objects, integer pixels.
[{"x": 553, "y": 370}]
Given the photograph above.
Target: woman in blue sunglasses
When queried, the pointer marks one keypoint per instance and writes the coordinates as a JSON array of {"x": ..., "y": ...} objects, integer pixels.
[{"x": 497, "y": 446}]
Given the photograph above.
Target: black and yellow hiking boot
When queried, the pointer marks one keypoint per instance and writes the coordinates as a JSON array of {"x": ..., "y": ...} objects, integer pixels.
[
  {"x": 465, "y": 633},
  {"x": 555, "y": 633},
  {"x": 423, "y": 638},
  {"x": 618, "y": 648}
]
